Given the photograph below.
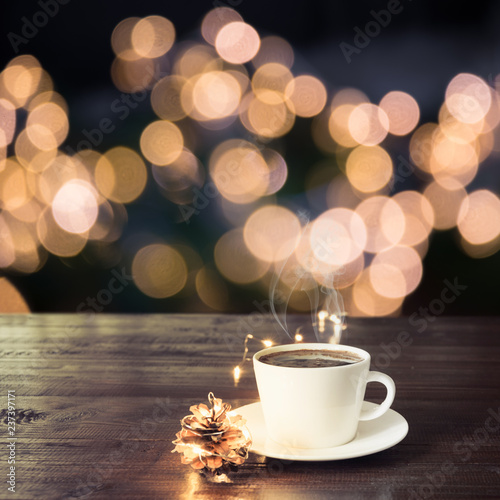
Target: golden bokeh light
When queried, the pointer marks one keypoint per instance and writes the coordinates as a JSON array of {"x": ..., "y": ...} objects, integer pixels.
[
  {"x": 306, "y": 95},
  {"x": 338, "y": 236},
  {"x": 421, "y": 146},
  {"x": 457, "y": 131},
  {"x": 239, "y": 171},
  {"x": 468, "y": 98},
  {"x": 485, "y": 145},
  {"x": 452, "y": 161},
  {"x": 237, "y": 42},
  {"x": 445, "y": 203},
  {"x": 317, "y": 261},
  {"x": 166, "y": 98},
  {"x": 46, "y": 97},
  {"x": 13, "y": 185},
  {"x": 278, "y": 170},
  {"x": 340, "y": 277},
  {"x": 492, "y": 118},
  {"x": 121, "y": 175},
  {"x": 369, "y": 169},
  {"x": 152, "y": 36},
  {"x": 61, "y": 169},
  {"x": 215, "y": 20},
  {"x": 270, "y": 81},
  {"x": 369, "y": 302},
  {"x": 265, "y": 119},
  {"x": 47, "y": 126},
  {"x": 396, "y": 272},
  {"x": 240, "y": 73},
  {"x": 75, "y": 207},
  {"x": 207, "y": 92},
  {"x": 197, "y": 59},
  {"x": 132, "y": 76},
  {"x": 181, "y": 174},
  {"x": 7, "y": 122},
  {"x": 419, "y": 216},
  {"x": 387, "y": 280},
  {"x": 368, "y": 124},
  {"x": 338, "y": 125},
  {"x": 480, "y": 251},
  {"x": 28, "y": 211},
  {"x": 29, "y": 156},
  {"x": 211, "y": 289},
  {"x": 22, "y": 78},
  {"x": 292, "y": 275},
  {"x": 235, "y": 261},
  {"x": 7, "y": 249},
  {"x": 121, "y": 39},
  {"x": 23, "y": 241},
  {"x": 162, "y": 142},
  {"x": 321, "y": 134},
  {"x": 479, "y": 217},
  {"x": 159, "y": 271},
  {"x": 12, "y": 301},
  {"x": 402, "y": 110},
  {"x": 271, "y": 233},
  {"x": 55, "y": 239},
  {"x": 216, "y": 95},
  {"x": 384, "y": 220}
]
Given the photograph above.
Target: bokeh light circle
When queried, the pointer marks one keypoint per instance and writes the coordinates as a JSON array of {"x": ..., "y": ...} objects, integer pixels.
[
  {"x": 369, "y": 169},
  {"x": 161, "y": 142},
  {"x": 121, "y": 175},
  {"x": 235, "y": 261},
  {"x": 237, "y": 42},
  {"x": 384, "y": 220},
  {"x": 306, "y": 95},
  {"x": 159, "y": 271},
  {"x": 75, "y": 207},
  {"x": 153, "y": 36},
  {"x": 271, "y": 233},
  {"x": 368, "y": 124},
  {"x": 479, "y": 217},
  {"x": 402, "y": 111}
]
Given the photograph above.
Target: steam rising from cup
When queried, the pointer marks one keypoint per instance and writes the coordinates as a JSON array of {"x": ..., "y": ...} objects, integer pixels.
[{"x": 302, "y": 271}]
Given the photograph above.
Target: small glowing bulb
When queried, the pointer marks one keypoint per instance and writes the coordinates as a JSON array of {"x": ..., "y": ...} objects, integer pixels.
[
  {"x": 267, "y": 343},
  {"x": 322, "y": 315},
  {"x": 249, "y": 336},
  {"x": 197, "y": 450},
  {"x": 298, "y": 337},
  {"x": 335, "y": 319},
  {"x": 237, "y": 373}
]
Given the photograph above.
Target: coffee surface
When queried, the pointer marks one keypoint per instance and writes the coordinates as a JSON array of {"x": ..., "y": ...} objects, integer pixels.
[{"x": 310, "y": 358}]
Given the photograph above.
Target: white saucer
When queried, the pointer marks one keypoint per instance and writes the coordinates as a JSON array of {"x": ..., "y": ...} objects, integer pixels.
[{"x": 372, "y": 436}]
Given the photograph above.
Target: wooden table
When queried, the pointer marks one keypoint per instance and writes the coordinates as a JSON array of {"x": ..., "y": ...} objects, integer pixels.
[{"x": 99, "y": 399}]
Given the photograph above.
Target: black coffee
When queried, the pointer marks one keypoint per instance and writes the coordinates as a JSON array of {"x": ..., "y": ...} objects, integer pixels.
[{"x": 310, "y": 358}]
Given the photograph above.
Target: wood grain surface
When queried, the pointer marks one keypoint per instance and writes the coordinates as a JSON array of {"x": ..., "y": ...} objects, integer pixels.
[{"x": 99, "y": 399}]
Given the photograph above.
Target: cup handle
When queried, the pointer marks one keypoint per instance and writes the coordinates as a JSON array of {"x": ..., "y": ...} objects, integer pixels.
[{"x": 379, "y": 410}]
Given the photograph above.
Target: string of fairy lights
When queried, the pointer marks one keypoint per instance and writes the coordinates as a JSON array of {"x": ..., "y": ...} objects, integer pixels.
[{"x": 328, "y": 328}]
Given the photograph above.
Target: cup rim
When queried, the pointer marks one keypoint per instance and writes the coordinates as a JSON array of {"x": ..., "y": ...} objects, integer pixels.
[{"x": 318, "y": 346}]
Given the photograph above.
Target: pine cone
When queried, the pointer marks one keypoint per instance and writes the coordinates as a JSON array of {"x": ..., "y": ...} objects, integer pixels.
[{"x": 213, "y": 439}]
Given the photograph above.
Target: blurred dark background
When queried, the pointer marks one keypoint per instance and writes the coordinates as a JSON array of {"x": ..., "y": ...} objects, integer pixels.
[{"x": 422, "y": 48}]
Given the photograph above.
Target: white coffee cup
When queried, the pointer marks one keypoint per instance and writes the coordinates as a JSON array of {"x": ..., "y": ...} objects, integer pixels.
[{"x": 317, "y": 407}]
